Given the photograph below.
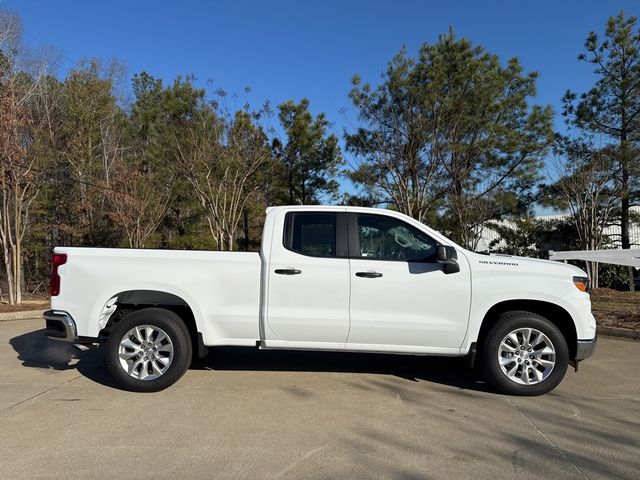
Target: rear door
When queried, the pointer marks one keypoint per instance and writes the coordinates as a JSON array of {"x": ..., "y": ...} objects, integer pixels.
[{"x": 308, "y": 279}]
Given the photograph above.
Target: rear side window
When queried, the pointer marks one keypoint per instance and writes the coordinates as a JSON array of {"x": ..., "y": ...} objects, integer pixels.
[{"x": 312, "y": 234}]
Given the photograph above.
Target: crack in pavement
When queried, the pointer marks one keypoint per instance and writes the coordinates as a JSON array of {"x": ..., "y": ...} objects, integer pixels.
[
  {"x": 549, "y": 441},
  {"x": 6, "y": 409}
]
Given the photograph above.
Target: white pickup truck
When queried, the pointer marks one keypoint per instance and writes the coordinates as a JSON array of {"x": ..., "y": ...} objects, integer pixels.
[{"x": 326, "y": 278}]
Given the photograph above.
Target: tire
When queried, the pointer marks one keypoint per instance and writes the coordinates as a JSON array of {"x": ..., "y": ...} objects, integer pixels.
[
  {"x": 544, "y": 370},
  {"x": 133, "y": 361}
]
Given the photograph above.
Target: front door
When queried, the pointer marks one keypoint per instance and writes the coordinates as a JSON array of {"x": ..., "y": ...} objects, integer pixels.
[
  {"x": 308, "y": 288},
  {"x": 399, "y": 295}
]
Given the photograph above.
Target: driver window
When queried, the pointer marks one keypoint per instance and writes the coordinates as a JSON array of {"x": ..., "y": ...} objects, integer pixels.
[{"x": 386, "y": 238}]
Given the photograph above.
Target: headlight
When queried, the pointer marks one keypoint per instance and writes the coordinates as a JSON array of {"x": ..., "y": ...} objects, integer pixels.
[{"x": 581, "y": 283}]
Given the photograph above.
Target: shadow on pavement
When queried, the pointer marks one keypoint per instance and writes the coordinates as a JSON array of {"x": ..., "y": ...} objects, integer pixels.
[
  {"x": 453, "y": 372},
  {"x": 37, "y": 351}
]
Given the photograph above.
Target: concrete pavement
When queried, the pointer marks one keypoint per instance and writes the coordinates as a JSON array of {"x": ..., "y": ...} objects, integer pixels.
[{"x": 259, "y": 414}]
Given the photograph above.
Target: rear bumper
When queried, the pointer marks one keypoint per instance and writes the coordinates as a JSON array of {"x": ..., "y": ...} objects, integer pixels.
[
  {"x": 60, "y": 326},
  {"x": 585, "y": 348}
]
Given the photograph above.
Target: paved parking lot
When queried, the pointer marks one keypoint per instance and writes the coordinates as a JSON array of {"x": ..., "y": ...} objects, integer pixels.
[{"x": 252, "y": 414}]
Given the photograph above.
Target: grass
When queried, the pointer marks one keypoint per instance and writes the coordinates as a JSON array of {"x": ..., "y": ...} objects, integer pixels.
[
  {"x": 26, "y": 305},
  {"x": 616, "y": 309},
  {"x": 29, "y": 303}
]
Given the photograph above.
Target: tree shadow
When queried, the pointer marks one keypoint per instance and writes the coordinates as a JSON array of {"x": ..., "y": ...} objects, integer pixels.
[{"x": 489, "y": 442}]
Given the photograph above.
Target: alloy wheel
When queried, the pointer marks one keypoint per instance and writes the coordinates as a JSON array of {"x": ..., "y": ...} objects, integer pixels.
[
  {"x": 526, "y": 356},
  {"x": 145, "y": 352}
]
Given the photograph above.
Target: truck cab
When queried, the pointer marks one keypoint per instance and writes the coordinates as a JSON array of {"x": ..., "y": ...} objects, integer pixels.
[{"x": 362, "y": 281}]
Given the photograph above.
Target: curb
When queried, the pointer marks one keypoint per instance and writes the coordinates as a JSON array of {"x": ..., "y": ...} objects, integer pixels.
[
  {"x": 619, "y": 332},
  {"x": 24, "y": 315}
]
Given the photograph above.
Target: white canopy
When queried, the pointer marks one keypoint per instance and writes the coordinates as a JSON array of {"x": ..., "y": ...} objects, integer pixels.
[{"x": 628, "y": 257}]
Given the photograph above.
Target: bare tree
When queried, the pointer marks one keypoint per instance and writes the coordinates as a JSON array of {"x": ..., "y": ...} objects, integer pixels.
[
  {"x": 588, "y": 187},
  {"x": 10, "y": 32},
  {"x": 472, "y": 212},
  {"x": 138, "y": 200},
  {"x": 19, "y": 179},
  {"x": 220, "y": 156}
]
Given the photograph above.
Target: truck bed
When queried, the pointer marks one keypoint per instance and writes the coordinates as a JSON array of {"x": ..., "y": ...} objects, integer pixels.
[{"x": 221, "y": 288}]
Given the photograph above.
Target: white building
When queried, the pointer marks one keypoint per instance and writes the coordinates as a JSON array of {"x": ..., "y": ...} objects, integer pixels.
[{"x": 489, "y": 235}]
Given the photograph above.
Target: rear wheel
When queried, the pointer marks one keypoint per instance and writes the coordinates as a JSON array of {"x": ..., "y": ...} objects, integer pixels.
[
  {"x": 148, "y": 350},
  {"x": 524, "y": 354}
]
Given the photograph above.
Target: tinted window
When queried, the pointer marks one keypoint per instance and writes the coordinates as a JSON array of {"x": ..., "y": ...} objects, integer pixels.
[
  {"x": 386, "y": 238},
  {"x": 311, "y": 233}
]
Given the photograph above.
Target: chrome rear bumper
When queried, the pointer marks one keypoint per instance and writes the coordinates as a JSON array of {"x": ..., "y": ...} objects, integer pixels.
[{"x": 60, "y": 326}]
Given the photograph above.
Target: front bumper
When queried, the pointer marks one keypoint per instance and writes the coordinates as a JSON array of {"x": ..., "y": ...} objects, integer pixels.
[
  {"x": 585, "y": 348},
  {"x": 60, "y": 326}
]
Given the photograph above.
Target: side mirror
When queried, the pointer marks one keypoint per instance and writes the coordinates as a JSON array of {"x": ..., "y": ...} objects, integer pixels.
[{"x": 448, "y": 257}]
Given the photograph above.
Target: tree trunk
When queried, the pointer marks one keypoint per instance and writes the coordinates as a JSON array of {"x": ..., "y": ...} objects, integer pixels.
[
  {"x": 245, "y": 228},
  {"x": 8, "y": 269},
  {"x": 592, "y": 273},
  {"x": 290, "y": 182},
  {"x": 624, "y": 196},
  {"x": 17, "y": 257},
  {"x": 6, "y": 242}
]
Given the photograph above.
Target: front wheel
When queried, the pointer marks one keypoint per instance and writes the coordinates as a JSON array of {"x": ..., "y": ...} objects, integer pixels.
[
  {"x": 524, "y": 354},
  {"x": 148, "y": 350}
]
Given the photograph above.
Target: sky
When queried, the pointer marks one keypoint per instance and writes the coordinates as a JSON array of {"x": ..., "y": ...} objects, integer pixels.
[{"x": 293, "y": 49}]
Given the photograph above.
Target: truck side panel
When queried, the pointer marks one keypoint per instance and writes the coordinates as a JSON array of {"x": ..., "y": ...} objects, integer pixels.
[
  {"x": 221, "y": 288},
  {"x": 497, "y": 279}
]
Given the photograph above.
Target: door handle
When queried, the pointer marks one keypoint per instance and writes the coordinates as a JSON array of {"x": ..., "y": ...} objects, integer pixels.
[
  {"x": 287, "y": 271},
  {"x": 368, "y": 274}
]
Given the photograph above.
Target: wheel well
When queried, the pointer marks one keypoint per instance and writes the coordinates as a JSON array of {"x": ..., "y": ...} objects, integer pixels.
[
  {"x": 133, "y": 300},
  {"x": 554, "y": 313}
]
